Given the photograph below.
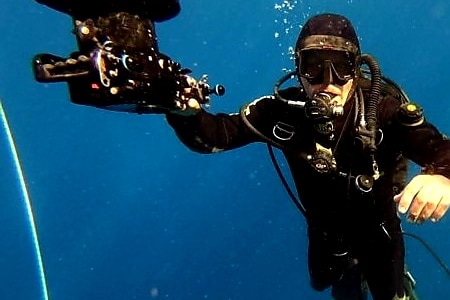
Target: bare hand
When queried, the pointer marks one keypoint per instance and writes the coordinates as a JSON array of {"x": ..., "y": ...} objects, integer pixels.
[{"x": 426, "y": 197}]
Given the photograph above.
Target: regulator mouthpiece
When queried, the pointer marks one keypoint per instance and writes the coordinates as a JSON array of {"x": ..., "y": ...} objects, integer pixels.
[{"x": 321, "y": 108}]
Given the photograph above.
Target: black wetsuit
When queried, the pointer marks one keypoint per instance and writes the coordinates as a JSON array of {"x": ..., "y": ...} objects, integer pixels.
[{"x": 340, "y": 217}]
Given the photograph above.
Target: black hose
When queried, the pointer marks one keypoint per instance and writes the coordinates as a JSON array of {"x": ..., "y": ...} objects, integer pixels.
[
  {"x": 375, "y": 91},
  {"x": 285, "y": 183},
  {"x": 432, "y": 252},
  {"x": 276, "y": 89}
]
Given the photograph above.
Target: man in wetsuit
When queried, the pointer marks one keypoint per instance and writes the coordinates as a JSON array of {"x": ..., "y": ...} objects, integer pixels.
[{"x": 345, "y": 136}]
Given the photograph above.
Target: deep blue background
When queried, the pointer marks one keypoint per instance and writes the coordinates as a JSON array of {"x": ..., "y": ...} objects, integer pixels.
[{"x": 125, "y": 211}]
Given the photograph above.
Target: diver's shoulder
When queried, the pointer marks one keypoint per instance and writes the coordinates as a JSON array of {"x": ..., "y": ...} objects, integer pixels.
[{"x": 272, "y": 101}]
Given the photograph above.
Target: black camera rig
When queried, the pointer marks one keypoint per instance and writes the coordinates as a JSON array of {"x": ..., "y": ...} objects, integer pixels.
[{"x": 118, "y": 65}]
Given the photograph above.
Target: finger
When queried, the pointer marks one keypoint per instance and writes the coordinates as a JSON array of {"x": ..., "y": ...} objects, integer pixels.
[
  {"x": 409, "y": 193},
  {"x": 406, "y": 199},
  {"x": 416, "y": 220},
  {"x": 424, "y": 203},
  {"x": 440, "y": 210},
  {"x": 431, "y": 195},
  {"x": 429, "y": 208},
  {"x": 398, "y": 196},
  {"x": 420, "y": 199}
]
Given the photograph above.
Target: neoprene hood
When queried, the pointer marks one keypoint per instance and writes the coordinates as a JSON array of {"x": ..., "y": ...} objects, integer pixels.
[{"x": 328, "y": 32}]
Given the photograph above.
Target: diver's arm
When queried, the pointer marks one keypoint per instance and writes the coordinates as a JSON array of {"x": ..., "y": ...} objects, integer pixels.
[
  {"x": 208, "y": 133},
  {"x": 428, "y": 147},
  {"x": 408, "y": 131},
  {"x": 427, "y": 195},
  {"x": 205, "y": 132}
]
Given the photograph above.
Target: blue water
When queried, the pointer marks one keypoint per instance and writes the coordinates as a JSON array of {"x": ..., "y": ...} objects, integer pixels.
[{"x": 124, "y": 211}]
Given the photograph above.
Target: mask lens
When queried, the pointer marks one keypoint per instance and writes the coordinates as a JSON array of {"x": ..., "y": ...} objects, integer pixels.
[{"x": 314, "y": 62}]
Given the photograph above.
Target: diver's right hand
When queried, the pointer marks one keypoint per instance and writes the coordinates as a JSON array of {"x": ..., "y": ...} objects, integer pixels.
[
  {"x": 187, "y": 103},
  {"x": 189, "y": 107}
]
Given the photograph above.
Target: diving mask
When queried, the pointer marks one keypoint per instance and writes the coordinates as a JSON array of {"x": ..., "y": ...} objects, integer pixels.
[{"x": 327, "y": 66}]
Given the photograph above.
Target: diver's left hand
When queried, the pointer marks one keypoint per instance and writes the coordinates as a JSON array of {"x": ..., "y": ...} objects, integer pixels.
[{"x": 427, "y": 197}]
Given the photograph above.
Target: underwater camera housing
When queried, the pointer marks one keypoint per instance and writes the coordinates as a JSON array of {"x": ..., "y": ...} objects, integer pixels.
[{"x": 118, "y": 65}]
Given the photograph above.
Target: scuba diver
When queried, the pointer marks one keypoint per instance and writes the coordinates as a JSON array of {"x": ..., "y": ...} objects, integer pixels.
[
  {"x": 347, "y": 134},
  {"x": 118, "y": 65}
]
